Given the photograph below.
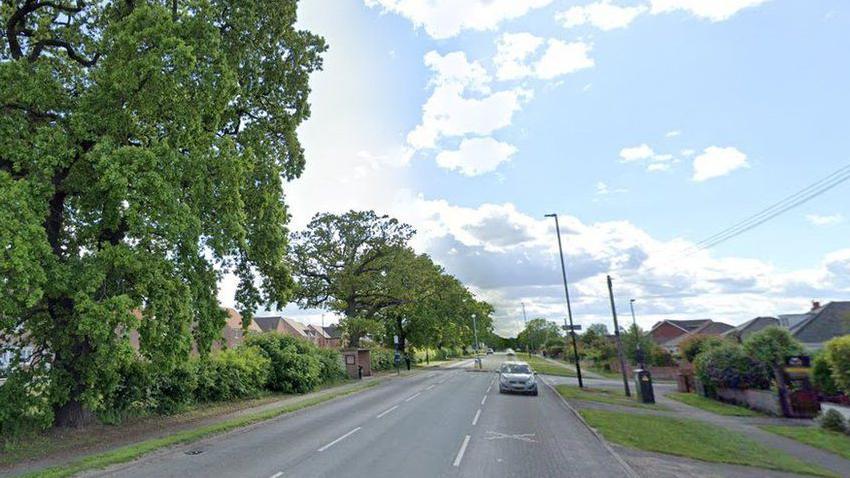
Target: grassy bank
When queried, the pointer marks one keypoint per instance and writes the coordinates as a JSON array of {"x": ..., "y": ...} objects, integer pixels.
[
  {"x": 693, "y": 439},
  {"x": 834, "y": 442},
  {"x": 546, "y": 367},
  {"x": 136, "y": 450},
  {"x": 713, "y": 406},
  {"x": 610, "y": 397}
]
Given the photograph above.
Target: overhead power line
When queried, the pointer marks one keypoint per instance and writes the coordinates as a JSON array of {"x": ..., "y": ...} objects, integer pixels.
[{"x": 802, "y": 196}]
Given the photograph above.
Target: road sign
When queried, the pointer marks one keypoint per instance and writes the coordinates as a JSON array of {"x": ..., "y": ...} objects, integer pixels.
[
  {"x": 395, "y": 339},
  {"x": 571, "y": 327}
]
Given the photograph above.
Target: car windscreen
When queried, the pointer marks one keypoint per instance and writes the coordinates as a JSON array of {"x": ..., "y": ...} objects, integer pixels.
[{"x": 515, "y": 368}]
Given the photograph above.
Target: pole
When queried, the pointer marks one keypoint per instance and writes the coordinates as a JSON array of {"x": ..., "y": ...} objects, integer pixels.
[
  {"x": 567, "y": 295},
  {"x": 525, "y": 321},
  {"x": 637, "y": 337},
  {"x": 475, "y": 332},
  {"x": 617, "y": 335}
]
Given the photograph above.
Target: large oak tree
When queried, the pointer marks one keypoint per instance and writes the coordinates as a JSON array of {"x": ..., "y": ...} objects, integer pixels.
[{"x": 143, "y": 149}]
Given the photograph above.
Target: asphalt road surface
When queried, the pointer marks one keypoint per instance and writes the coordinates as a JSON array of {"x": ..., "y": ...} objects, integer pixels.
[{"x": 445, "y": 423}]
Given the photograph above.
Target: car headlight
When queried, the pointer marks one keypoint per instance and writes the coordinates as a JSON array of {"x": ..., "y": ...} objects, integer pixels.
[
  {"x": 530, "y": 381},
  {"x": 502, "y": 379}
]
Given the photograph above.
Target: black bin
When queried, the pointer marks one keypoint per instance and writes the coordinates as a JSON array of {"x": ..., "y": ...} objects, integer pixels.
[{"x": 643, "y": 386}]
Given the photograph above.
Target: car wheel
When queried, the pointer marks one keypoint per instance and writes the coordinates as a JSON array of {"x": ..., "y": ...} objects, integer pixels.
[{"x": 534, "y": 393}]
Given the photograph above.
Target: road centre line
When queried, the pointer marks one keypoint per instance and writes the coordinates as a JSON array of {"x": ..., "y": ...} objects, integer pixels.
[
  {"x": 429, "y": 387},
  {"x": 412, "y": 396},
  {"x": 386, "y": 411},
  {"x": 277, "y": 475},
  {"x": 339, "y": 439},
  {"x": 460, "y": 452},
  {"x": 477, "y": 414},
  {"x": 488, "y": 389},
  {"x": 483, "y": 399}
]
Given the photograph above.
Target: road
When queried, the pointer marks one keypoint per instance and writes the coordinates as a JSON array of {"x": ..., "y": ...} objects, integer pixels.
[{"x": 444, "y": 423}]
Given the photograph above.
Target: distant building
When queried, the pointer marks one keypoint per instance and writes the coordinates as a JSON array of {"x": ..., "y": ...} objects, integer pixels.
[
  {"x": 741, "y": 332},
  {"x": 232, "y": 334},
  {"x": 820, "y": 324},
  {"x": 669, "y": 333},
  {"x": 291, "y": 327}
]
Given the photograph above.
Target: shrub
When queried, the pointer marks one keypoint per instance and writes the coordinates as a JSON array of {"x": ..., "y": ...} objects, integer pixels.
[
  {"x": 233, "y": 373},
  {"x": 772, "y": 345},
  {"x": 832, "y": 420},
  {"x": 822, "y": 376},
  {"x": 838, "y": 357},
  {"x": 295, "y": 363},
  {"x": 555, "y": 350},
  {"x": 382, "y": 359},
  {"x": 24, "y": 403},
  {"x": 695, "y": 344},
  {"x": 331, "y": 365},
  {"x": 175, "y": 389},
  {"x": 728, "y": 366}
]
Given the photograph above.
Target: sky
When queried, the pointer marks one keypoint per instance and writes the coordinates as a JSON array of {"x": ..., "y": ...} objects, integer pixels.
[{"x": 647, "y": 125}]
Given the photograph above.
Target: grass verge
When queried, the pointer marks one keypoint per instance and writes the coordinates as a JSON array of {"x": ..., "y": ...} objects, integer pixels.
[
  {"x": 693, "y": 439},
  {"x": 132, "y": 452},
  {"x": 546, "y": 367},
  {"x": 834, "y": 442},
  {"x": 610, "y": 397},
  {"x": 713, "y": 406}
]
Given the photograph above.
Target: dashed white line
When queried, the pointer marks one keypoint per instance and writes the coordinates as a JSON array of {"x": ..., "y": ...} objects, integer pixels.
[
  {"x": 429, "y": 387},
  {"x": 477, "y": 414},
  {"x": 483, "y": 399},
  {"x": 386, "y": 411},
  {"x": 339, "y": 439},
  {"x": 460, "y": 452},
  {"x": 412, "y": 396},
  {"x": 488, "y": 389},
  {"x": 277, "y": 475}
]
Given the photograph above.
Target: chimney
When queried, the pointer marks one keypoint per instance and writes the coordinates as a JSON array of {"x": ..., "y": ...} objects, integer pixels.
[{"x": 815, "y": 305}]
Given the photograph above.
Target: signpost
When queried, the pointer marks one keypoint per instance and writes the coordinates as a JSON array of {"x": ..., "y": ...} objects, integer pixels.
[{"x": 397, "y": 359}]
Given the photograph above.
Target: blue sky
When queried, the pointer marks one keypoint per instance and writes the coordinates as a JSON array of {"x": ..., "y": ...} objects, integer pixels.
[{"x": 648, "y": 125}]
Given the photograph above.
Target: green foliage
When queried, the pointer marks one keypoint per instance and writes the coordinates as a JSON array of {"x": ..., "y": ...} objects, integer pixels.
[
  {"x": 142, "y": 155},
  {"x": 772, "y": 345},
  {"x": 382, "y": 359},
  {"x": 175, "y": 389},
  {"x": 24, "y": 403},
  {"x": 696, "y": 344},
  {"x": 332, "y": 368},
  {"x": 832, "y": 420},
  {"x": 231, "y": 374},
  {"x": 837, "y": 354},
  {"x": 728, "y": 366},
  {"x": 537, "y": 333},
  {"x": 822, "y": 376},
  {"x": 296, "y": 366}
]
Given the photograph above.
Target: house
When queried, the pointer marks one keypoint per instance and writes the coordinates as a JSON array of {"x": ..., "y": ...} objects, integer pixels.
[
  {"x": 820, "y": 324},
  {"x": 334, "y": 333},
  {"x": 669, "y": 333},
  {"x": 232, "y": 334},
  {"x": 291, "y": 327},
  {"x": 741, "y": 332}
]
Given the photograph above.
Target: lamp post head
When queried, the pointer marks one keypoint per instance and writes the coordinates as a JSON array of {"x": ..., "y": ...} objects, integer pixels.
[
  {"x": 550, "y": 215},
  {"x": 632, "y": 301}
]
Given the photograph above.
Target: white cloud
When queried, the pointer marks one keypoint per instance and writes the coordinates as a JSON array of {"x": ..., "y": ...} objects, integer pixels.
[
  {"x": 447, "y": 18},
  {"x": 713, "y": 10},
  {"x": 449, "y": 113},
  {"x": 636, "y": 153},
  {"x": 454, "y": 69},
  {"x": 602, "y": 189},
  {"x": 672, "y": 134},
  {"x": 603, "y": 15},
  {"x": 512, "y": 51},
  {"x": 716, "y": 161},
  {"x": 516, "y": 57},
  {"x": 687, "y": 152},
  {"x": 819, "y": 220},
  {"x": 476, "y": 156},
  {"x": 562, "y": 58}
]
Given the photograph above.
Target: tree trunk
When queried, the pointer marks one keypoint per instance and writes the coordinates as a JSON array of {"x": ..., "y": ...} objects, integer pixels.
[
  {"x": 73, "y": 415},
  {"x": 401, "y": 338}
]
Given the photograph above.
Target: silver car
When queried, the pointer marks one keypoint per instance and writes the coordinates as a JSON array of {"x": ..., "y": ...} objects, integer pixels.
[{"x": 517, "y": 377}]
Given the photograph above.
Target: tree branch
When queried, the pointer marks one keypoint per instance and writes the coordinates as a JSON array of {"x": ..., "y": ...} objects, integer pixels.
[{"x": 72, "y": 53}]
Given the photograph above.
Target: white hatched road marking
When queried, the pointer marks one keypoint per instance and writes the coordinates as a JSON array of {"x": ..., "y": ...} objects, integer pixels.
[
  {"x": 477, "y": 414},
  {"x": 460, "y": 452},
  {"x": 339, "y": 439},
  {"x": 386, "y": 411}
]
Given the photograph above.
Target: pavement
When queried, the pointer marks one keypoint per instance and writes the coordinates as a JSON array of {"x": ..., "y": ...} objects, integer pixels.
[{"x": 450, "y": 422}]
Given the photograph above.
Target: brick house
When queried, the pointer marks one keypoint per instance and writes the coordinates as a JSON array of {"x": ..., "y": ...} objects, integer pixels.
[
  {"x": 821, "y": 324},
  {"x": 291, "y": 327},
  {"x": 669, "y": 333}
]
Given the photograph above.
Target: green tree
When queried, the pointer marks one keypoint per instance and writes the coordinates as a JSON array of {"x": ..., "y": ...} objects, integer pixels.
[
  {"x": 537, "y": 332},
  {"x": 837, "y": 354},
  {"x": 143, "y": 150},
  {"x": 340, "y": 262}
]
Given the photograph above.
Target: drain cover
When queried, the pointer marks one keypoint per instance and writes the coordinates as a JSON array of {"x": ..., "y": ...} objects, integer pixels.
[{"x": 196, "y": 451}]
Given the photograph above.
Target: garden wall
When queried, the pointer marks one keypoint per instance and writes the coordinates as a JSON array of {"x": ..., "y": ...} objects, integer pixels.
[{"x": 761, "y": 400}]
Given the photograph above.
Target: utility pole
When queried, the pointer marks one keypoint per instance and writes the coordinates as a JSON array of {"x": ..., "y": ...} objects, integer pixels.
[
  {"x": 475, "y": 332},
  {"x": 638, "y": 352},
  {"x": 525, "y": 321},
  {"x": 617, "y": 335},
  {"x": 567, "y": 294}
]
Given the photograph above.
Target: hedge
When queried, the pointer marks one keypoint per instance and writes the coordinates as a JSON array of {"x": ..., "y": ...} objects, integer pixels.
[
  {"x": 837, "y": 354},
  {"x": 728, "y": 366}
]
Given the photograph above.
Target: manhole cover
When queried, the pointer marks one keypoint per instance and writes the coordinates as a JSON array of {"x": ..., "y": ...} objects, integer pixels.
[{"x": 194, "y": 452}]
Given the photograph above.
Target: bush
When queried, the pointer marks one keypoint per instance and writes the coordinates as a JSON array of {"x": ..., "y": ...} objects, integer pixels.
[
  {"x": 332, "y": 368},
  {"x": 230, "y": 374},
  {"x": 555, "y": 350},
  {"x": 24, "y": 403},
  {"x": 838, "y": 357},
  {"x": 695, "y": 344},
  {"x": 175, "y": 389},
  {"x": 822, "y": 377},
  {"x": 382, "y": 359},
  {"x": 772, "y": 345},
  {"x": 832, "y": 420},
  {"x": 295, "y": 363},
  {"x": 728, "y": 366}
]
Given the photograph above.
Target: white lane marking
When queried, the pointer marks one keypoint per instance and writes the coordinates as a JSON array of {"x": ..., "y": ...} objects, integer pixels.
[
  {"x": 488, "y": 389},
  {"x": 277, "y": 475},
  {"x": 429, "y": 387},
  {"x": 352, "y": 432},
  {"x": 461, "y": 451},
  {"x": 386, "y": 411},
  {"x": 483, "y": 399},
  {"x": 477, "y": 414},
  {"x": 412, "y": 396}
]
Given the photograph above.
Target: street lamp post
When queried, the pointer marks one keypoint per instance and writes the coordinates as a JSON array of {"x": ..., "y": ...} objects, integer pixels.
[
  {"x": 638, "y": 352},
  {"x": 571, "y": 330},
  {"x": 475, "y": 333},
  {"x": 525, "y": 321}
]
